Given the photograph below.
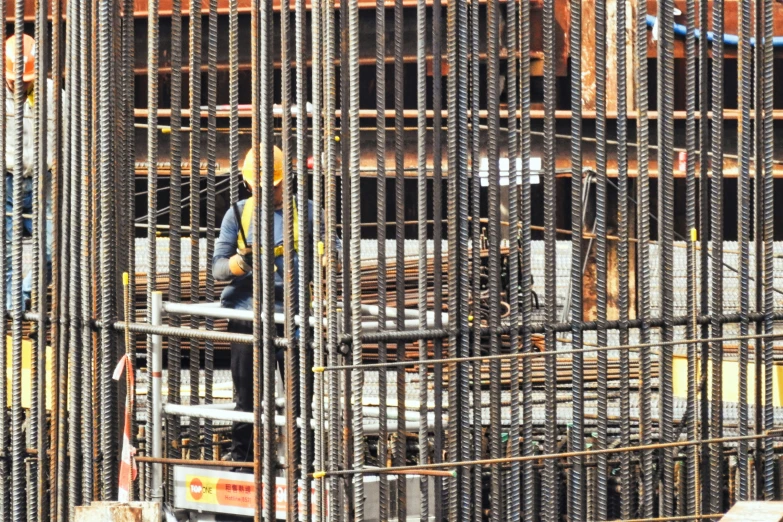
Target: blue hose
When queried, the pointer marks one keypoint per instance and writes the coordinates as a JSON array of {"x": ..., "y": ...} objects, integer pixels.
[{"x": 728, "y": 39}]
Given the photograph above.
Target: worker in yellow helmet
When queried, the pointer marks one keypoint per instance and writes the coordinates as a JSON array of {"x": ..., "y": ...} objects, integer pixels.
[
  {"x": 232, "y": 262},
  {"x": 23, "y": 173}
]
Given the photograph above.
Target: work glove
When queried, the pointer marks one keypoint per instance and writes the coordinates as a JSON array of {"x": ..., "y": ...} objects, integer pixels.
[
  {"x": 247, "y": 257},
  {"x": 240, "y": 264}
]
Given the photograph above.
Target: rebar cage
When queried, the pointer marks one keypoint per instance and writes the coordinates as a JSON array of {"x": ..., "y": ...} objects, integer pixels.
[{"x": 446, "y": 351}]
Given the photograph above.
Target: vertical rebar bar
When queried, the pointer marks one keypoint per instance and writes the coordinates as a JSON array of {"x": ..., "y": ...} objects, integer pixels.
[
  {"x": 704, "y": 229},
  {"x": 209, "y": 286},
  {"x": 400, "y": 448},
  {"x": 18, "y": 446},
  {"x": 601, "y": 258},
  {"x": 357, "y": 376},
  {"x": 758, "y": 244},
  {"x": 666, "y": 244},
  {"x": 63, "y": 473},
  {"x": 264, "y": 265},
  {"x": 690, "y": 223},
  {"x": 716, "y": 356},
  {"x": 513, "y": 503},
  {"x": 194, "y": 345},
  {"x": 380, "y": 162},
  {"x": 174, "y": 351},
  {"x": 331, "y": 233},
  {"x": 305, "y": 260},
  {"x": 84, "y": 250},
  {"x": 623, "y": 222},
  {"x": 475, "y": 211},
  {"x": 460, "y": 173},
  {"x": 153, "y": 61},
  {"x": 318, "y": 255},
  {"x": 37, "y": 424},
  {"x": 75, "y": 405},
  {"x": 291, "y": 391},
  {"x": 769, "y": 224},
  {"x": 108, "y": 255},
  {"x": 575, "y": 498},
  {"x": 643, "y": 252},
  {"x": 421, "y": 217},
  {"x": 56, "y": 467},
  {"x": 745, "y": 80},
  {"x": 233, "y": 86},
  {"x": 526, "y": 280},
  {"x": 452, "y": 443},
  {"x": 256, "y": 55},
  {"x": 437, "y": 234},
  {"x": 493, "y": 158},
  {"x": 550, "y": 487}
]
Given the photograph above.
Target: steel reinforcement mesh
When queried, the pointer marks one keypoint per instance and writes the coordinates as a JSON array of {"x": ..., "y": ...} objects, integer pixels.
[{"x": 477, "y": 312}]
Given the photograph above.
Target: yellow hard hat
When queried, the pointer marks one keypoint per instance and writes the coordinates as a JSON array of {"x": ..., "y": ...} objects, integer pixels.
[
  {"x": 249, "y": 171},
  {"x": 28, "y": 54}
]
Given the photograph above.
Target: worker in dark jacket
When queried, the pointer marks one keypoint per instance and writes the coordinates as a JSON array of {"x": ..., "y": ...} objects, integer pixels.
[{"x": 232, "y": 262}]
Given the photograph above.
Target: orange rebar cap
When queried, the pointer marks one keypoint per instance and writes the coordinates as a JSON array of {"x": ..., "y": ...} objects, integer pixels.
[{"x": 28, "y": 44}]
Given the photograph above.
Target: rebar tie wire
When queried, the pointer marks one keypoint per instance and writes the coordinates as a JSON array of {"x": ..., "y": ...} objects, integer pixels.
[
  {"x": 415, "y": 469},
  {"x": 524, "y": 355}
]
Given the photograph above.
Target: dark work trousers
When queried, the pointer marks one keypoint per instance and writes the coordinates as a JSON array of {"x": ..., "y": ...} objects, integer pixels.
[{"x": 242, "y": 375}]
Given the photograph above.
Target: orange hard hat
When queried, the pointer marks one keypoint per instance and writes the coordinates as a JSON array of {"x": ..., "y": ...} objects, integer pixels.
[
  {"x": 249, "y": 171},
  {"x": 28, "y": 44}
]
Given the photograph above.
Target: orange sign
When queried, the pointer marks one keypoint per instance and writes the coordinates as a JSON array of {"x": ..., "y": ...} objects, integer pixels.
[{"x": 227, "y": 492}]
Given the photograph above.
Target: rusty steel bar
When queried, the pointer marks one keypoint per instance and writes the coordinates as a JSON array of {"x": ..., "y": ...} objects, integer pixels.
[{"x": 479, "y": 448}]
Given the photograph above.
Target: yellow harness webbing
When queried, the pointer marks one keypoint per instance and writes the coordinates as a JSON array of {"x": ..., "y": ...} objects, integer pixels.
[{"x": 247, "y": 219}]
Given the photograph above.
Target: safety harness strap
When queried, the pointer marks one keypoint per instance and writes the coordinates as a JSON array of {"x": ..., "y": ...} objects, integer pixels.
[{"x": 246, "y": 222}]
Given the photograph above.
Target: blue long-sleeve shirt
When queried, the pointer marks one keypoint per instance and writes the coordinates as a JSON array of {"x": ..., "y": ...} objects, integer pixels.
[{"x": 239, "y": 293}]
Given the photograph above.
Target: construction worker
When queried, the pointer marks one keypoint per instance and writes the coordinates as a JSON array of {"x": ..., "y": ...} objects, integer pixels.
[
  {"x": 28, "y": 157},
  {"x": 232, "y": 261}
]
